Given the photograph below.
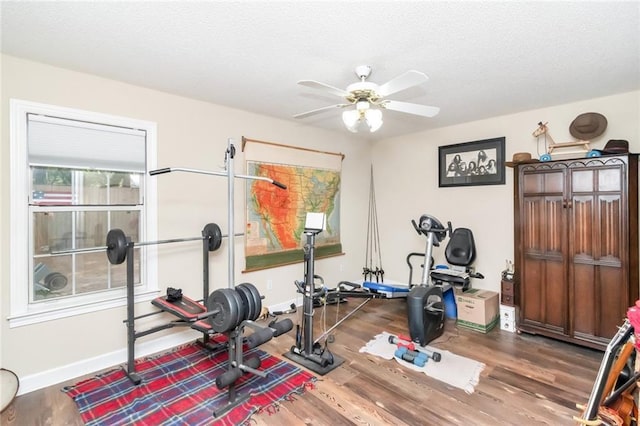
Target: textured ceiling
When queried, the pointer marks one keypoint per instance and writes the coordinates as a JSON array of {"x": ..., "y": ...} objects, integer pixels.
[{"x": 483, "y": 58}]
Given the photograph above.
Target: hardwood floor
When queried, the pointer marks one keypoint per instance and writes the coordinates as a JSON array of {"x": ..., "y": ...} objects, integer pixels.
[{"x": 527, "y": 380}]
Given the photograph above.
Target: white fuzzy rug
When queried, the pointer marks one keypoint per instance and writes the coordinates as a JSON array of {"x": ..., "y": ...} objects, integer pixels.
[{"x": 455, "y": 370}]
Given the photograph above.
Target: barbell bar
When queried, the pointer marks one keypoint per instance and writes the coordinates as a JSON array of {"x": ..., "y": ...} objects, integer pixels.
[{"x": 116, "y": 243}]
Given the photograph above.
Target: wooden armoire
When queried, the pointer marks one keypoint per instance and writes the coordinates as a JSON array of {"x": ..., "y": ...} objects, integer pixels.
[{"x": 576, "y": 246}]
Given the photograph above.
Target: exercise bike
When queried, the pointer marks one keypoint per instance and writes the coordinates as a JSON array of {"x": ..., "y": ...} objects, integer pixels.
[{"x": 425, "y": 302}]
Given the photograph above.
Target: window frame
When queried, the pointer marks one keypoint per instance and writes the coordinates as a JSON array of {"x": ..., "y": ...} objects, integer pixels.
[{"x": 22, "y": 312}]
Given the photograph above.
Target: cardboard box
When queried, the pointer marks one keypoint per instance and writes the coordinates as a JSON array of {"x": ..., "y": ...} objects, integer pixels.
[
  {"x": 478, "y": 309},
  {"x": 508, "y": 318}
]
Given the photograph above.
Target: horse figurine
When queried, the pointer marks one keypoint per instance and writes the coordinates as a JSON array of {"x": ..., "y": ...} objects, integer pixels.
[{"x": 582, "y": 146}]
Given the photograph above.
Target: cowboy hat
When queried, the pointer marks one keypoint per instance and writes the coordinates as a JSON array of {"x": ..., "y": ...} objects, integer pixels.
[
  {"x": 588, "y": 125},
  {"x": 520, "y": 158},
  {"x": 616, "y": 146}
]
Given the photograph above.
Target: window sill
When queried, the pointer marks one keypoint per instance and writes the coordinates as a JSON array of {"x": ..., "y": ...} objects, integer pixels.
[{"x": 52, "y": 314}]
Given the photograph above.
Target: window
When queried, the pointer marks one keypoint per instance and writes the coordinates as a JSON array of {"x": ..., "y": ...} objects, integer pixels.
[{"x": 74, "y": 176}]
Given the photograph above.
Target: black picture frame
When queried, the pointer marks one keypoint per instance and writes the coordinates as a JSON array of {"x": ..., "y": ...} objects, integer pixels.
[{"x": 472, "y": 163}]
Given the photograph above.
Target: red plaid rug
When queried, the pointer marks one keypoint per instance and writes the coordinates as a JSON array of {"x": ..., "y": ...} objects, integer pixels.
[{"x": 178, "y": 388}]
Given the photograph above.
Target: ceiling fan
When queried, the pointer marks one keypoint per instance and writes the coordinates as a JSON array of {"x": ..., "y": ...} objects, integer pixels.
[{"x": 369, "y": 98}]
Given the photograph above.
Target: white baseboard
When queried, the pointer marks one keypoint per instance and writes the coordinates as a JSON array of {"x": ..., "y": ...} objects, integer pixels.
[
  {"x": 286, "y": 305},
  {"x": 148, "y": 347},
  {"x": 77, "y": 369}
]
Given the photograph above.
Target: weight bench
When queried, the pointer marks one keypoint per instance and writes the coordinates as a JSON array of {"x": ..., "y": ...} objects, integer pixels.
[
  {"x": 189, "y": 312},
  {"x": 184, "y": 308}
]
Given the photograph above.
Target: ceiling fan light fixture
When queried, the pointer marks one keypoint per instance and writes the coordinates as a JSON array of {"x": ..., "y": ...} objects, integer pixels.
[
  {"x": 373, "y": 118},
  {"x": 368, "y": 99},
  {"x": 351, "y": 119}
]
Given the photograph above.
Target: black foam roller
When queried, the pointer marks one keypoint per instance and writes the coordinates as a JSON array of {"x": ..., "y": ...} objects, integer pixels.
[
  {"x": 259, "y": 337},
  {"x": 281, "y": 327},
  {"x": 253, "y": 362},
  {"x": 228, "y": 377}
]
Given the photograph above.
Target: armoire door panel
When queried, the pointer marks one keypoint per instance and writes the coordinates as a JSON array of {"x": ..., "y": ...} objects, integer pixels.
[
  {"x": 610, "y": 179},
  {"x": 546, "y": 182},
  {"x": 552, "y": 224},
  {"x": 555, "y": 289},
  {"x": 612, "y": 300},
  {"x": 542, "y": 224},
  {"x": 584, "y": 299},
  {"x": 583, "y": 220},
  {"x": 611, "y": 232},
  {"x": 582, "y": 180},
  {"x": 533, "y": 293}
]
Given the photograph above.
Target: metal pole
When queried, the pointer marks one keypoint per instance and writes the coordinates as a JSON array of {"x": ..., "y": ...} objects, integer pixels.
[
  {"x": 231, "y": 200},
  {"x": 308, "y": 296},
  {"x": 427, "y": 260},
  {"x": 131, "y": 330}
]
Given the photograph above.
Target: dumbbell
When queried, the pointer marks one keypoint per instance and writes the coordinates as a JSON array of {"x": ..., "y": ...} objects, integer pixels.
[
  {"x": 414, "y": 357},
  {"x": 402, "y": 341}
]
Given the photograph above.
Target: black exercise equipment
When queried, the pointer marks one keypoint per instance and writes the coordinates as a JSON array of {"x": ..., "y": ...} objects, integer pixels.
[
  {"x": 461, "y": 252},
  {"x": 307, "y": 350},
  {"x": 425, "y": 302},
  {"x": 292, "y": 310},
  {"x": 435, "y": 232},
  {"x": 426, "y": 314},
  {"x": 117, "y": 242},
  {"x": 308, "y": 353},
  {"x": 322, "y": 297},
  {"x": 189, "y": 312},
  {"x": 237, "y": 343}
]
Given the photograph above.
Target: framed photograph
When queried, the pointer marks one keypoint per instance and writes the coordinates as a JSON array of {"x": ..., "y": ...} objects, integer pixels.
[{"x": 472, "y": 163}]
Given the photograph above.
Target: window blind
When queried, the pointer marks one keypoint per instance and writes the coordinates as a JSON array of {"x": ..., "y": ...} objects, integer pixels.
[{"x": 57, "y": 142}]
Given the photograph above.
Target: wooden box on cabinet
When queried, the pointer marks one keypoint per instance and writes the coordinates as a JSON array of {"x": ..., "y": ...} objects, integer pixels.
[
  {"x": 576, "y": 246},
  {"x": 508, "y": 292}
]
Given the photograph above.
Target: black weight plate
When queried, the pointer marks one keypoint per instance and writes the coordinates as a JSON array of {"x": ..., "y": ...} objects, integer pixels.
[
  {"x": 247, "y": 301},
  {"x": 55, "y": 281},
  {"x": 242, "y": 311},
  {"x": 227, "y": 302},
  {"x": 257, "y": 300},
  {"x": 116, "y": 246},
  {"x": 213, "y": 235}
]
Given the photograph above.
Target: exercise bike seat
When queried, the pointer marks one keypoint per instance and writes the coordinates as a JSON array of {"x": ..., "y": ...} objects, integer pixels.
[
  {"x": 461, "y": 252},
  {"x": 461, "y": 249}
]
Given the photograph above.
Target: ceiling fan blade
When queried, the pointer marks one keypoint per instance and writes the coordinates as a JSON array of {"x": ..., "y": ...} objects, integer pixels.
[
  {"x": 319, "y": 110},
  {"x": 323, "y": 86},
  {"x": 403, "y": 81},
  {"x": 424, "y": 110}
]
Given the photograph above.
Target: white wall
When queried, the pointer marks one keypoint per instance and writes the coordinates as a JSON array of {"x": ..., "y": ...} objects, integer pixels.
[
  {"x": 190, "y": 134},
  {"x": 406, "y": 179}
]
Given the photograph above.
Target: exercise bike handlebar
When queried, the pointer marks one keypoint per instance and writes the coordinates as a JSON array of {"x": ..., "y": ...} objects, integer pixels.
[{"x": 438, "y": 231}]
